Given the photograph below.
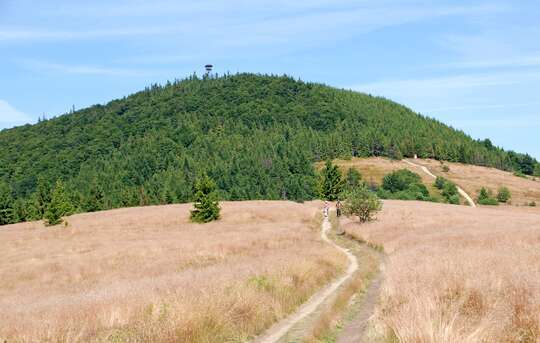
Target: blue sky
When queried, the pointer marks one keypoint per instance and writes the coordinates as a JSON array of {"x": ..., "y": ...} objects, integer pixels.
[{"x": 472, "y": 64}]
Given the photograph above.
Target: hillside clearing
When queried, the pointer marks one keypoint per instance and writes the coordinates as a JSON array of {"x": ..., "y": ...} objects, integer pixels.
[
  {"x": 148, "y": 274},
  {"x": 455, "y": 273}
]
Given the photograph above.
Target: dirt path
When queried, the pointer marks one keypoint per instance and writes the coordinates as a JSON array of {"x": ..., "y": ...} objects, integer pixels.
[
  {"x": 280, "y": 329},
  {"x": 428, "y": 172}
]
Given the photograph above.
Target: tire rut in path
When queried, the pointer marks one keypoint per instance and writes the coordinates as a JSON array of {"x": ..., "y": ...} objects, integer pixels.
[{"x": 280, "y": 329}]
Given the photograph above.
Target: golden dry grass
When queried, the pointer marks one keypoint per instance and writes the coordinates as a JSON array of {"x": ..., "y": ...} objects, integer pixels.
[
  {"x": 457, "y": 274},
  {"x": 147, "y": 274},
  {"x": 473, "y": 178}
]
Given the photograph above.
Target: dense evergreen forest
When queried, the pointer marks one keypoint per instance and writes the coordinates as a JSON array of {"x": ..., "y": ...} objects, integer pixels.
[{"x": 257, "y": 136}]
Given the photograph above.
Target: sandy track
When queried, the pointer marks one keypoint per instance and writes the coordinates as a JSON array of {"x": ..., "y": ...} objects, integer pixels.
[
  {"x": 428, "y": 172},
  {"x": 280, "y": 329}
]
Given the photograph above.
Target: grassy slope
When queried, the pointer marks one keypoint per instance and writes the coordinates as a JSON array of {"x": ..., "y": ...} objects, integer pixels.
[{"x": 147, "y": 274}]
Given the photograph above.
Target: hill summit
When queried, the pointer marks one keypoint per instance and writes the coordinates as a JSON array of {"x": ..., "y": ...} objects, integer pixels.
[{"x": 256, "y": 135}]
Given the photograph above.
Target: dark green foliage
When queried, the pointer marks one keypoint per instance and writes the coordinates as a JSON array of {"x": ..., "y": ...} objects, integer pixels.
[
  {"x": 353, "y": 178},
  {"x": 257, "y": 136},
  {"x": 439, "y": 182},
  {"x": 361, "y": 202},
  {"x": 519, "y": 173},
  {"x": 7, "y": 214},
  {"x": 448, "y": 190},
  {"x": 485, "y": 197},
  {"x": 445, "y": 168},
  {"x": 400, "y": 180},
  {"x": 532, "y": 204},
  {"x": 537, "y": 170},
  {"x": 59, "y": 206},
  {"x": 404, "y": 184},
  {"x": 206, "y": 201},
  {"x": 331, "y": 183},
  {"x": 504, "y": 195}
]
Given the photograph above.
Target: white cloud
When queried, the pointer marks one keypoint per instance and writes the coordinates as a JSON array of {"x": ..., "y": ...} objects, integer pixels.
[
  {"x": 42, "y": 66},
  {"x": 10, "y": 116},
  {"x": 441, "y": 86}
]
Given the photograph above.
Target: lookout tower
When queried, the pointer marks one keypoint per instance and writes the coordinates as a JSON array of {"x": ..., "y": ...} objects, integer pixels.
[{"x": 208, "y": 68}]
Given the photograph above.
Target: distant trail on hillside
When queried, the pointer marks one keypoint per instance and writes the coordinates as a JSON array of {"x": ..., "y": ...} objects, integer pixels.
[
  {"x": 280, "y": 329},
  {"x": 428, "y": 172}
]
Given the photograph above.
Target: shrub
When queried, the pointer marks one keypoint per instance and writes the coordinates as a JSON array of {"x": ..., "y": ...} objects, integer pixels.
[
  {"x": 439, "y": 182},
  {"x": 454, "y": 199},
  {"x": 400, "y": 180},
  {"x": 532, "y": 204},
  {"x": 449, "y": 190},
  {"x": 445, "y": 168},
  {"x": 361, "y": 202},
  {"x": 504, "y": 195},
  {"x": 206, "y": 201},
  {"x": 485, "y": 197}
]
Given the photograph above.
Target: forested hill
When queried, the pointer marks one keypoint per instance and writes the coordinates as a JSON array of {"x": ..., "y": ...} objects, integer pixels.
[{"x": 257, "y": 136}]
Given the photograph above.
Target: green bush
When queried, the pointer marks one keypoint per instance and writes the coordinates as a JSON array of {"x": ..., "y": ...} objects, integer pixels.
[
  {"x": 504, "y": 195},
  {"x": 445, "y": 168},
  {"x": 485, "y": 197},
  {"x": 449, "y": 190},
  {"x": 532, "y": 204},
  {"x": 439, "y": 182},
  {"x": 361, "y": 202},
  {"x": 400, "y": 180},
  {"x": 519, "y": 173},
  {"x": 454, "y": 199},
  {"x": 353, "y": 178}
]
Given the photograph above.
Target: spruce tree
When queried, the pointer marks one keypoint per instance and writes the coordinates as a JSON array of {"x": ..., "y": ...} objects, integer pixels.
[
  {"x": 206, "y": 201},
  {"x": 59, "y": 207},
  {"x": 354, "y": 178},
  {"x": 331, "y": 183},
  {"x": 40, "y": 200},
  {"x": 6, "y": 204}
]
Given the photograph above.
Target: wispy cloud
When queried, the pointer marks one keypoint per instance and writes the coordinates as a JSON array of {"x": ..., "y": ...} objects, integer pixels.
[
  {"x": 426, "y": 87},
  {"x": 48, "y": 67},
  {"x": 10, "y": 116}
]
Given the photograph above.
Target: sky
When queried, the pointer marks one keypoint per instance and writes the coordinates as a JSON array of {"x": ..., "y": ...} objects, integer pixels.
[{"x": 474, "y": 65}]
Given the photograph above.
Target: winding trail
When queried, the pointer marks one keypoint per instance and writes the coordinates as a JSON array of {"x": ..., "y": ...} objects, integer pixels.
[
  {"x": 428, "y": 172},
  {"x": 280, "y": 329}
]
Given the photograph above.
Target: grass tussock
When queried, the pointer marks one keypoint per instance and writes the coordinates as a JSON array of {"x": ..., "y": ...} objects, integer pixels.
[
  {"x": 457, "y": 274},
  {"x": 133, "y": 275}
]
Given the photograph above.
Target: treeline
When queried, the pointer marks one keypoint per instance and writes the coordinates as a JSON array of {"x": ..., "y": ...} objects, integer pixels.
[{"x": 257, "y": 136}]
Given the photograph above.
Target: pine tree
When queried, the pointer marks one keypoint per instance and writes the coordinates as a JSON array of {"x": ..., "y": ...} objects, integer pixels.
[
  {"x": 206, "y": 201},
  {"x": 40, "y": 200},
  {"x": 6, "y": 204},
  {"x": 59, "y": 207},
  {"x": 354, "y": 178},
  {"x": 331, "y": 183}
]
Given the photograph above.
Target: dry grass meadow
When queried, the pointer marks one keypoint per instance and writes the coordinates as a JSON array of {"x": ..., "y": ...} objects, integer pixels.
[
  {"x": 473, "y": 178},
  {"x": 455, "y": 273},
  {"x": 147, "y": 274}
]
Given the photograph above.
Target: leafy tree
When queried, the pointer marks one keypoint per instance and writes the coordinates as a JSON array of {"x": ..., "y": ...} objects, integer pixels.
[
  {"x": 331, "y": 184},
  {"x": 361, "y": 202},
  {"x": 537, "y": 170},
  {"x": 449, "y": 189},
  {"x": 353, "y": 178},
  {"x": 60, "y": 205},
  {"x": 504, "y": 195},
  {"x": 6, "y": 204},
  {"x": 206, "y": 203}
]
